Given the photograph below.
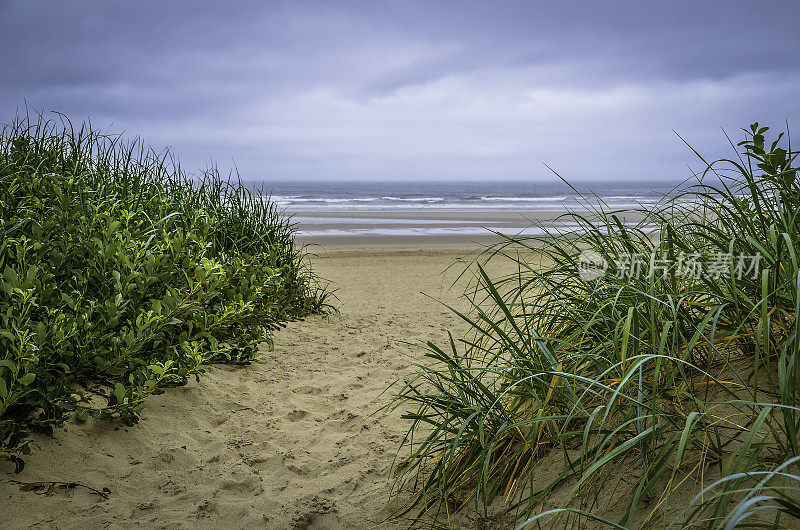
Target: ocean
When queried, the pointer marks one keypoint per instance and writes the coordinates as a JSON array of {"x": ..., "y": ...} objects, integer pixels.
[
  {"x": 298, "y": 196},
  {"x": 371, "y": 212}
]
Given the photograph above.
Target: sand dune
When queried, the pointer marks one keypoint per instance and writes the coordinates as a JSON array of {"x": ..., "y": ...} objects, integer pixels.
[{"x": 292, "y": 441}]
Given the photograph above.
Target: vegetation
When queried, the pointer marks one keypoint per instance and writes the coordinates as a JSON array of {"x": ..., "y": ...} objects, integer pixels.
[
  {"x": 121, "y": 275},
  {"x": 666, "y": 398}
]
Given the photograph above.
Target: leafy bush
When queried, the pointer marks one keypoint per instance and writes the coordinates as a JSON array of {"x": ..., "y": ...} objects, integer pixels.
[
  {"x": 615, "y": 400},
  {"x": 122, "y": 275}
]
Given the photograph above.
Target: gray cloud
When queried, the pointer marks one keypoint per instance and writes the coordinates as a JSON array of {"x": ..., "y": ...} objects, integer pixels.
[{"x": 380, "y": 90}]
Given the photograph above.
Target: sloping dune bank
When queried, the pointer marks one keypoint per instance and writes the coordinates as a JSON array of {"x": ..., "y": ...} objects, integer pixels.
[{"x": 294, "y": 440}]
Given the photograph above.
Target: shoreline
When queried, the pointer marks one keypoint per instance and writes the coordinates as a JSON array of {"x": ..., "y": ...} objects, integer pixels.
[{"x": 428, "y": 228}]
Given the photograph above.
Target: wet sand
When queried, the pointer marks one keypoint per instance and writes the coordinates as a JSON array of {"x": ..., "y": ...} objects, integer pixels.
[{"x": 425, "y": 227}]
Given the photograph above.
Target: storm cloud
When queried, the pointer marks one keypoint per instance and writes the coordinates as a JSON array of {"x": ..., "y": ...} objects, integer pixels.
[{"x": 411, "y": 90}]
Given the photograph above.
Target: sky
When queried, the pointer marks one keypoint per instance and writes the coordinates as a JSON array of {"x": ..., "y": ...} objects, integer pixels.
[{"x": 427, "y": 90}]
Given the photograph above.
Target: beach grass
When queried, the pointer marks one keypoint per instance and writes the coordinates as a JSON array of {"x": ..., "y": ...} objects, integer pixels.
[
  {"x": 122, "y": 274},
  {"x": 663, "y": 393}
]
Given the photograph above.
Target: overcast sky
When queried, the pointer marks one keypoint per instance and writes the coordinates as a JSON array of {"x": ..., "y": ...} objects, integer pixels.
[{"x": 411, "y": 90}]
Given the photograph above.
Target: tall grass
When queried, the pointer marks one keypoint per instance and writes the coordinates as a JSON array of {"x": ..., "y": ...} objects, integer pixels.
[
  {"x": 122, "y": 274},
  {"x": 667, "y": 398}
]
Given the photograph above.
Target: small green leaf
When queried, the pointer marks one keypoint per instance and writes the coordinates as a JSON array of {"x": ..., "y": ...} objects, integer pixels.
[
  {"x": 5, "y": 363},
  {"x": 119, "y": 392},
  {"x": 64, "y": 367}
]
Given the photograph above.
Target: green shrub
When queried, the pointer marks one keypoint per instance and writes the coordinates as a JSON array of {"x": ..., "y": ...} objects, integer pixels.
[
  {"x": 615, "y": 400},
  {"x": 122, "y": 275}
]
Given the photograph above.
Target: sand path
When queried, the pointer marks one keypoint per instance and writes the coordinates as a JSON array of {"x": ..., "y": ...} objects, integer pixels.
[{"x": 290, "y": 441}]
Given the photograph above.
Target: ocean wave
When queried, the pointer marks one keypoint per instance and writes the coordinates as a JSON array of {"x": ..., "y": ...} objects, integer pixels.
[
  {"x": 414, "y": 199},
  {"x": 314, "y": 198},
  {"x": 637, "y": 198},
  {"x": 527, "y": 199},
  {"x": 488, "y": 202}
]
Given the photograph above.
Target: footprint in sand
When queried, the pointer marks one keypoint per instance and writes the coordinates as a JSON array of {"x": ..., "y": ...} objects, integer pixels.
[
  {"x": 297, "y": 415},
  {"x": 314, "y": 391},
  {"x": 318, "y": 514}
]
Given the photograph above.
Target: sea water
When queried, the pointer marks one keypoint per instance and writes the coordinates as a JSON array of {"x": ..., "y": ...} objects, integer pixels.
[{"x": 337, "y": 209}]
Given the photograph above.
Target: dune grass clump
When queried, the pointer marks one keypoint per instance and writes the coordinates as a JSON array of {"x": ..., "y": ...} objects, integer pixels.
[
  {"x": 121, "y": 275},
  {"x": 657, "y": 387}
]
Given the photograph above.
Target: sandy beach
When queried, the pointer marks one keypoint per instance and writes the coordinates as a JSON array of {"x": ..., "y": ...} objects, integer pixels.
[{"x": 295, "y": 440}]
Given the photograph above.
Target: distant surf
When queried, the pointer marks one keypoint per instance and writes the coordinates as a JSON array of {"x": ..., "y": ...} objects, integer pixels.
[
  {"x": 324, "y": 195},
  {"x": 401, "y": 211}
]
